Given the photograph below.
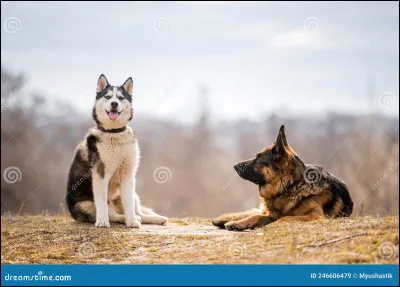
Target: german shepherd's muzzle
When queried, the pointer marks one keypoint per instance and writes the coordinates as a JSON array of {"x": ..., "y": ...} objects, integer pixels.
[{"x": 245, "y": 170}]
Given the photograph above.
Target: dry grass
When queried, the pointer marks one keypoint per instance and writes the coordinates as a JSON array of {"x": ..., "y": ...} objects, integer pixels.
[{"x": 58, "y": 239}]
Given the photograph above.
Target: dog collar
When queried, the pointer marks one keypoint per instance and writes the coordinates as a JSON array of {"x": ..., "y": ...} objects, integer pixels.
[{"x": 113, "y": 131}]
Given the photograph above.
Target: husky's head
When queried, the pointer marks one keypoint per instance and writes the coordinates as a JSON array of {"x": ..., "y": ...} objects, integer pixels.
[{"x": 113, "y": 107}]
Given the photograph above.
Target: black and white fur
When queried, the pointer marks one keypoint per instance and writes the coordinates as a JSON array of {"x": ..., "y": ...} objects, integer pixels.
[{"x": 102, "y": 177}]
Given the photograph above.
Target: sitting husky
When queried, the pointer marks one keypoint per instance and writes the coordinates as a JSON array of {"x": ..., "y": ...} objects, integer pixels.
[{"x": 101, "y": 182}]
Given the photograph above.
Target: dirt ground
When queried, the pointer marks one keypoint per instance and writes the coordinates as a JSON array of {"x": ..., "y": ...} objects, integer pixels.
[{"x": 58, "y": 239}]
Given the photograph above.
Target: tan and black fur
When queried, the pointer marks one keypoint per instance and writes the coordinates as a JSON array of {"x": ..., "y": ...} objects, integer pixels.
[
  {"x": 102, "y": 177},
  {"x": 289, "y": 190}
]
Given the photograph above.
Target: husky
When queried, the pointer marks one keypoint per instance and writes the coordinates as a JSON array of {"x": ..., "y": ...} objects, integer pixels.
[
  {"x": 102, "y": 177},
  {"x": 289, "y": 190}
]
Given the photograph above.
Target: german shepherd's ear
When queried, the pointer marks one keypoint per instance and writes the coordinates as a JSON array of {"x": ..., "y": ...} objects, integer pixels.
[
  {"x": 102, "y": 83},
  {"x": 282, "y": 131},
  {"x": 128, "y": 86},
  {"x": 279, "y": 146}
]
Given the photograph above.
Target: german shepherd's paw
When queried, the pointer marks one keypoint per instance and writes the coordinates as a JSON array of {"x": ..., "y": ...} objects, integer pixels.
[
  {"x": 132, "y": 223},
  {"x": 236, "y": 226},
  {"x": 219, "y": 222},
  {"x": 102, "y": 223}
]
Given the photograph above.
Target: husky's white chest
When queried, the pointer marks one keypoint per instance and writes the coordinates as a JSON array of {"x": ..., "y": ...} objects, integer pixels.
[{"x": 118, "y": 152}]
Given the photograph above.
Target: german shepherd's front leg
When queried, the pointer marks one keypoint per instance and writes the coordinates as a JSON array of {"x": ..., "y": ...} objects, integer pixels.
[
  {"x": 250, "y": 222},
  {"x": 225, "y": 218}
]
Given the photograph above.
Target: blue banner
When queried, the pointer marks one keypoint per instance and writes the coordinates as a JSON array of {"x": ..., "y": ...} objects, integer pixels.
[{"x": 199, "y": 275}]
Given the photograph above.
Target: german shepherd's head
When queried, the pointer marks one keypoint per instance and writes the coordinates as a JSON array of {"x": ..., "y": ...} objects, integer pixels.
[
  {"x": 273, "y": 168},
  {"x": 113, "y": 106}
]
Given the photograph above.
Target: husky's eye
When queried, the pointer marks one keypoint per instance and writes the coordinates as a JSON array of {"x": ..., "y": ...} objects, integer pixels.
[
  {"x": 121, "y": 98},
  {"x": 107, "y": 97}
]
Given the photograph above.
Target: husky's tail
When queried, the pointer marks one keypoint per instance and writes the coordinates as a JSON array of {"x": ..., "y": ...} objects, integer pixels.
[
  {"x": 147, "y": 211},
  {"x": 85, "y": 211},
  {"x": 147, "y": 215}
]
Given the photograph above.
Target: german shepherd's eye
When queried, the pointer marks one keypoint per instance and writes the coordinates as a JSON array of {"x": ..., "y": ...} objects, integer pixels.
[
  {"x": 107, "y": 97},
  {"x": 261, "y": 159}
]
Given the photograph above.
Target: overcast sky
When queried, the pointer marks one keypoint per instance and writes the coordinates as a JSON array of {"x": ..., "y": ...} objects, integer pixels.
[{"x": 253, "y": 57}]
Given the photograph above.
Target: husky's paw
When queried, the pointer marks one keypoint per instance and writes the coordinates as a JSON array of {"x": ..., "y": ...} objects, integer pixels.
[
  {"x": 162, "y": 220},
  {"x": 132, "y": 223},
  {"x": 139, "y": 218},
  {"x": 154, "y": 219},
  {"x": 102, "y": 223}
]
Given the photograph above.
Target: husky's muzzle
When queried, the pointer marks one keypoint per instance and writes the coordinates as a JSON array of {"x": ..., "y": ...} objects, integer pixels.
[{"x": 113, "y": 114}]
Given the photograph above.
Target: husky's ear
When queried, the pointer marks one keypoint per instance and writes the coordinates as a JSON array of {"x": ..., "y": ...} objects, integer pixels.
[
  {"x": 102, "y": 83},
  {"x": 279, "y": 146},
  {"x": 282, "y": 131},
  {"x": 128, "y": 86}
]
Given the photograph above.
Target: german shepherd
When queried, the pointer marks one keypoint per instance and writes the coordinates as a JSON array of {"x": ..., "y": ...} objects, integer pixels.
[{"x": 289, "y": 190}]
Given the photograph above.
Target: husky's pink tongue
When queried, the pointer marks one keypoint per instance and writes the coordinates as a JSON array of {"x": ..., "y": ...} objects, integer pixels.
[{"x": 113, "y": 116}]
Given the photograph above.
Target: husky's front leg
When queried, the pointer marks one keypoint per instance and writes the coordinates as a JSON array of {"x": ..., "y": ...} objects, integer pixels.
[
  {"x": 100, "y": 192},
  {"x": 128, "y": 200}
]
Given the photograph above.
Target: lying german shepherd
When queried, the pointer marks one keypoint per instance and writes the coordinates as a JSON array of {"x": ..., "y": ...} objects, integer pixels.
[{"x": 289, "y": 190}]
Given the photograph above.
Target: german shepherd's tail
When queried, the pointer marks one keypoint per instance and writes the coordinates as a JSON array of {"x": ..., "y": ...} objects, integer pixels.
[{"x": 340, "y": 190}]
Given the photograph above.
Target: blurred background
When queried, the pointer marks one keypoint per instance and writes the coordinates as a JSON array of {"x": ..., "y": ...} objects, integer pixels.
[{"x": 213, "y": 82}]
